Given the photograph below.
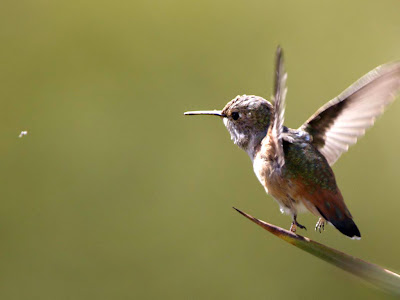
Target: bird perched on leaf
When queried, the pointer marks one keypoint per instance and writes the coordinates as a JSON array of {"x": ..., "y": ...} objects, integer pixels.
[{"x": 294, "y": 165}]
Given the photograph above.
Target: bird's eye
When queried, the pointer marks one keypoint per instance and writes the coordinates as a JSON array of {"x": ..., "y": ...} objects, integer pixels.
[{"x": 235, "y": 115}]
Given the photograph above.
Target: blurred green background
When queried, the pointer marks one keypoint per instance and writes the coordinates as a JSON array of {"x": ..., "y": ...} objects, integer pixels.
[{"x": 114, "y": 194}]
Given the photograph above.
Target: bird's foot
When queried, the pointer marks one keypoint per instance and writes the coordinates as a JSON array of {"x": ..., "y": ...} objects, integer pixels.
[
  {"x": 294, "y": 226},
  {"x": 320, "y": 226}
]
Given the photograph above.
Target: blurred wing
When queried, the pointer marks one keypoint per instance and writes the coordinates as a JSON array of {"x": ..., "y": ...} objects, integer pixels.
[
  {"x": 338, "y": 124},
  {"x": 279, "y": 106}
]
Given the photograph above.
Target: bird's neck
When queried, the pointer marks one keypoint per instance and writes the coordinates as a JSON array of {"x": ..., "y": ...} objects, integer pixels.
[{"x": 254, "y": 145}]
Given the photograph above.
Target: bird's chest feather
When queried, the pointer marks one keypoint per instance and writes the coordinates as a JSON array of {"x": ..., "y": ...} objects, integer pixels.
[
  {"x": 279, "y": 183},
  {"x": 279, "y": 187},
  {"x": 304, "y": 176}
]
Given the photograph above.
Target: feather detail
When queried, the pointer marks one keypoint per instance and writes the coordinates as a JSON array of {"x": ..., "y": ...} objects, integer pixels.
[
  {"x": 279, "y": 97},
  {"x": 339, "y": 123},
  {"x": 329, "y": 205}
]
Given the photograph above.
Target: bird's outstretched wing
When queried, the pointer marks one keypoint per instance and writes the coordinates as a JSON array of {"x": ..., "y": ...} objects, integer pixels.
[
  {"x": 338, "y": 124},
  {"x": 279, "y": 96}
]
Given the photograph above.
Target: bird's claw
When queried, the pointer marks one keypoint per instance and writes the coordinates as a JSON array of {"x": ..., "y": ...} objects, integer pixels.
[
  {"x": 320, "y": 226},
  {"x": 294, "y": 226}
]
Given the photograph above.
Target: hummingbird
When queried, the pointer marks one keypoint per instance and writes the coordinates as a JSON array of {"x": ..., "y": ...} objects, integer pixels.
[{"x": 294, "y": 165}]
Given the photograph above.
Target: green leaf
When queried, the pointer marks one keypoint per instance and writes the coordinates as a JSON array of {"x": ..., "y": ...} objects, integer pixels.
[{"x": 374, "y": 274}]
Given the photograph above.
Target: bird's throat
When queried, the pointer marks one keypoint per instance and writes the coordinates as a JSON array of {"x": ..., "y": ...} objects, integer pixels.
[{"x": 254, "y": 146}]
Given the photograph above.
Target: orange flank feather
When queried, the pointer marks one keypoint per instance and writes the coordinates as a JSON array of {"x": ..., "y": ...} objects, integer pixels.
[{"x": 327, "y": 204}]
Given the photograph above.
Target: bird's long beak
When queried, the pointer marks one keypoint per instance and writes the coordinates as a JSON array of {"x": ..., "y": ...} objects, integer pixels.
[{"x": 205, "y": 112}]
